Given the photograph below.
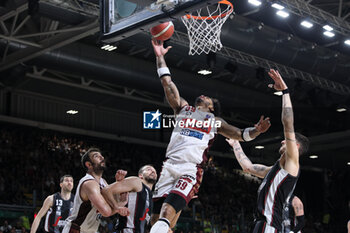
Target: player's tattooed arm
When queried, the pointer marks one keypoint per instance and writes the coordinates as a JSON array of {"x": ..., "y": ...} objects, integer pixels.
[
  {"x": 170, "y": 89},
  {"x": 258, "y": 170}
]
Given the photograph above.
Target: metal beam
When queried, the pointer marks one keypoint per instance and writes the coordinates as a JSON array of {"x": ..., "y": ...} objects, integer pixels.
[
  {"x": 52, "y": 32},
  {"x": 21, "y": 24},
  {"x": 48, "y": 45},
  {"x": 25, "y": 42},
  {"x": 340, "y": 9},
  {"x": 181, "y": 38},
  {"x": 317, "y": 15},
  {"x": 94, "y": 89},
  {"x": 12, "y": 13}
]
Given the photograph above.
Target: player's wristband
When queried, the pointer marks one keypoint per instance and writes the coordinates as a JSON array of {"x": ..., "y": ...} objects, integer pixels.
[
  {"x": 246, "y": 136},
  {"x": 163, "y": 71},
  {"x": 285, "y": 91}
]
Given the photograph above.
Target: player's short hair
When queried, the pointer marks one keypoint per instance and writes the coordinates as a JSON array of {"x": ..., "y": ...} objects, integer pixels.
[
  {"x": 303, "y": 142},
  {"x": 62, "y": 178},
  {"x": 217, "y": 107},
  {"x": 144, "y": 167},
  {"x": 86, "y": 156}
]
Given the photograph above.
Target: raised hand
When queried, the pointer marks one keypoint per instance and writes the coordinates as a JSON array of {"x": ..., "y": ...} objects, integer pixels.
[
  {"x": 279, "y": 84},
  {"x": 158, "y": 48},
  {"x": 122, "y": 198},
  {"x": 263, "y": 125},
  {"x": 120, "y": 175}
]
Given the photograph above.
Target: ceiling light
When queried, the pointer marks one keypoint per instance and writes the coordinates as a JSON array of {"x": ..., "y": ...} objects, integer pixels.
[
  {"x": 307, "y": 24},
  {"x": 72, "y": 112},
  {"x": 341, "y": 109},
  {"x": 259, "y": 147},
  {"x": 279, "y": 93},
  {"x": 347, "y": 42},
  {"x": 204, "y": 72},
  {"x": 313, "y": 157},
  {"x": 255, "y": 2},
  {"x": 328, "y": 34},
  {"x": 349, "y": 163},
  {"x": 277, "y": 6},
  {"x": 327, "y": 28},
  {"x": 282, "y": 14},
  {"x": 109, "y": 47}
]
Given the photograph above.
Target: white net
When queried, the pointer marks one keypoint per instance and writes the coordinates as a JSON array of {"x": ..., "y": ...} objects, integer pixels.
[{"x": 204, "y": 31}]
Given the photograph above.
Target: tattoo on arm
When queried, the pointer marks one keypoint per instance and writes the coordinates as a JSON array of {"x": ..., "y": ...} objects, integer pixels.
[
  {"x": 244, "y": 158},
  {"x": 289, "y": 139},
  {"x": 259, "y": 168}
]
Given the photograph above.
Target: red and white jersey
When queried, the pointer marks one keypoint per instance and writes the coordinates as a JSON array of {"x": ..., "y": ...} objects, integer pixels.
[
  {"x": 84, "y": 216},
  {"x": 192, "y": 136}
]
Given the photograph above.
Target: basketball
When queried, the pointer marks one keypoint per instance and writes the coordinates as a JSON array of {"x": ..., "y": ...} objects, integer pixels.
[{"x": 163, "y": 31}]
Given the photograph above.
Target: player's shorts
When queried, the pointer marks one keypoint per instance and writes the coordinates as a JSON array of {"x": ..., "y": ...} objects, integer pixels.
[
  {"x": 263, "y": 227},
  {"x": 182, "y": 179}
]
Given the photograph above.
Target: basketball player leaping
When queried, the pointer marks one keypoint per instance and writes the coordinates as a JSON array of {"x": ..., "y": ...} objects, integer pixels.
[
  {"x": 280, "y": 179},
  {"x": 182, "y": 174}
]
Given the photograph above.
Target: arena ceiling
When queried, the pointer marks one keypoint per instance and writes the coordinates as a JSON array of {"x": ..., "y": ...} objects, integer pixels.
[{"x": 51, "y": 47}]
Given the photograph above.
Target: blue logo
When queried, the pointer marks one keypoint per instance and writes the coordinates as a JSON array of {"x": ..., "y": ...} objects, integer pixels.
[{"x": 151, "y": 120}]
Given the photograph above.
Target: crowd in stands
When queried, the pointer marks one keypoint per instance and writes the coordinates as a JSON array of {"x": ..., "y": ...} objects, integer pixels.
[{"x": 32, "y": 161}]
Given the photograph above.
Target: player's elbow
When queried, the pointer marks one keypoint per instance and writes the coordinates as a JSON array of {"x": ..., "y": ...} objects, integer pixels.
[
  {"x": 247, "y": 169},
  {"x": 105, "y": 212}
]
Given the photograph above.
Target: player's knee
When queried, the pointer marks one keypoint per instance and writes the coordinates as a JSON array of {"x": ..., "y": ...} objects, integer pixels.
[
  {"x": 167, "y": 212},
  {"x": 176, "y": 201}
]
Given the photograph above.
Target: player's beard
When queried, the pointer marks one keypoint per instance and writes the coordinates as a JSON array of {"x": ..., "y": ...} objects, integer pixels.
[
  {"x": 150, "y": 180},
  {"x": 99, "y": 168}
]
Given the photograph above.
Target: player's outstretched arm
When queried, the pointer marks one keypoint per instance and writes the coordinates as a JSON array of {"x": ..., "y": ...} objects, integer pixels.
[
  {"x": 258, "y": 170},
  {"x": 46, "y": 206},
  {"x": 247, "y": 134},
  {"x": 130, "y": 184},
  {"x": 292, "y": 153},
  {"x": 171, "y": 92},
  {"x": 91, "y": 190}
]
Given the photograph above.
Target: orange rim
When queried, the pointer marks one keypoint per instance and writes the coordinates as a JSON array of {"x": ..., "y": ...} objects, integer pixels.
[{"x": 188, "y": 16}]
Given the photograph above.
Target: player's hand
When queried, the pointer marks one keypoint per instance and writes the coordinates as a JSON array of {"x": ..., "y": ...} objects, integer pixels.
[
  {"x": 263, "y": 125},
  {"x": 158, "y": 48},
  {"x": 232, "y": 142},
  {"x": 120, "y": 175},
  {"x": 122, "y": 199},
  {"x": 123, "y": 211},
  {"x": 279, "y": 84}
]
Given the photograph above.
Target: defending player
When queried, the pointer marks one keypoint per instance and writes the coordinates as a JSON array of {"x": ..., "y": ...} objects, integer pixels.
[{"x": 280, "y": 179}]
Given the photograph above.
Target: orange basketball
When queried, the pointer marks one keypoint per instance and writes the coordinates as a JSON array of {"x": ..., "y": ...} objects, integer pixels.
[{"x": 163, "y": 31}]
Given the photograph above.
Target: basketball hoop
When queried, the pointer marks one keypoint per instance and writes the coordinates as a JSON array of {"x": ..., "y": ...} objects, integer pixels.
[{"x": 204, "y": 31}]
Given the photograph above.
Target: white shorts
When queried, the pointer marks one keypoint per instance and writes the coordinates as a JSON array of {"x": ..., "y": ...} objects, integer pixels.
[{"x": 182, "y": 179}]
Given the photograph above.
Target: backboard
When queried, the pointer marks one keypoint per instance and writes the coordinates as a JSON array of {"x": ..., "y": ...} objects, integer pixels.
[{"x": 123, "y": 18}]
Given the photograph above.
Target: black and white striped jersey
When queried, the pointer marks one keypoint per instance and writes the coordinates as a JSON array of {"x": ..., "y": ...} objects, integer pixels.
[
  {"x": 140, "y": 205},
  {"x": 274, "y": 194}
]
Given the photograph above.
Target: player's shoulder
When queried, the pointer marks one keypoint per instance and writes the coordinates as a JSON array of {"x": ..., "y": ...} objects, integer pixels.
[
  {"x": 50, "y": 199},
  {"x": 296, "y": 201}
]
